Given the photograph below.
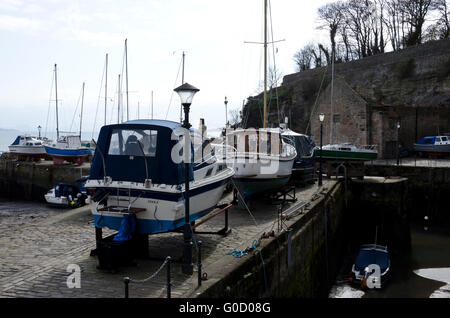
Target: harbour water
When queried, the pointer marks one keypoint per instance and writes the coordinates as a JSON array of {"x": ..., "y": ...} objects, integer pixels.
[{"x": 422, "y": 272}]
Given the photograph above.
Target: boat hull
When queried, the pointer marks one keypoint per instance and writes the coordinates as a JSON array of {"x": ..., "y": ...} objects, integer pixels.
[
  {"x": 432, "y": 149},
  {"x": 254, "y": 176},
  {"x": 59, "y": 155},
  {"x": 24, "y": 151},
  {"x": 344, "y": 155},
  {"x": 160, "y": 211}
]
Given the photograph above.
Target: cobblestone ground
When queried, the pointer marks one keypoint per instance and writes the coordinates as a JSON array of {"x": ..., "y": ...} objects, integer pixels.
[{"x": 38, "y": 243}]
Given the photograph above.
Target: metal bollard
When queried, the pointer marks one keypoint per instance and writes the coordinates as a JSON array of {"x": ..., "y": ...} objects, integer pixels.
[
  {"x": 199, "y": 263},
  {"x": 169, "y": 284},
  {"x": 126, "y": 280}
]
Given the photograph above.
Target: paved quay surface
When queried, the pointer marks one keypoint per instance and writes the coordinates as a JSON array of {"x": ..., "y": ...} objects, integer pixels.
[{"x": 38, "y": 243}]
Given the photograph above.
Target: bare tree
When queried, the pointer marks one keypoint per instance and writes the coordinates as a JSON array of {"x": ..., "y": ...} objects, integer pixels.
[
  {"x": 330, "y": 17},
  {"x": 415, "y": 12},
  {"x": 443, "y": 23},
  {"x": 303, "y": 58}
]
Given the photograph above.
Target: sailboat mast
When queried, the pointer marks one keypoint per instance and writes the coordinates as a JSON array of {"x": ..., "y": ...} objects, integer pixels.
[
  {"x": 56, "y": 101},
  {"x": 152, "y": 105},
  {"x": 265, "y": 64},
  {"x": 81, "y": 112},
  {"x": 118, "y": 101},
  {"x": 182, "y": 82},
  {"x": 126, "y": 69},
  {"x": 331, "y": 97},
  {"x": 106, "y": 85}
]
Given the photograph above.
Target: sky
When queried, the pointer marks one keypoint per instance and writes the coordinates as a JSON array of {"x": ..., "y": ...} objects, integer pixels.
[{"x": 76, "y": 35}]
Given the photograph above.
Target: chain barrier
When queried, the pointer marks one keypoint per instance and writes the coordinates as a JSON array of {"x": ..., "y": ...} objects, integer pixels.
[{"x": 128, "y": 280}]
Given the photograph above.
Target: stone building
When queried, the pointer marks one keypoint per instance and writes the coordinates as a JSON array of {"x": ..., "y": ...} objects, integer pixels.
[{"x": 372, "y": 95}]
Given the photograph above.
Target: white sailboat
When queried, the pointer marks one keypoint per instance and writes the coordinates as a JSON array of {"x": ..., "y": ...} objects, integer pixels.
[
  {"x": 67, "y": 148},
  {"x": 347, "y": 150},
  {"x": 262, "y": 160}
]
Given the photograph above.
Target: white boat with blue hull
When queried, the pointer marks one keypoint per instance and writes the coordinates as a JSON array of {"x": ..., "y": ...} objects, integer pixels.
[{"x": 135, "y": 170}]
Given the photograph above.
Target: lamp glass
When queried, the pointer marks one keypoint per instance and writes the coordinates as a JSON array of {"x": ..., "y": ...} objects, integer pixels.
[
  {"x": 321, "y": 117},
  {"x": 186, "y": 93}
]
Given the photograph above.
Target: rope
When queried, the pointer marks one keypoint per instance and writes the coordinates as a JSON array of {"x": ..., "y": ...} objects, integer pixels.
[
  {"x": 243, "y": 201},
  {"x": 241, "y": 253},
  {"x": 151, "y": 276}
]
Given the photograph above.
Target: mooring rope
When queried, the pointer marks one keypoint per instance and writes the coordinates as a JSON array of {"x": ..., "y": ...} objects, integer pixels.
[{"x": 241, "y": 253}]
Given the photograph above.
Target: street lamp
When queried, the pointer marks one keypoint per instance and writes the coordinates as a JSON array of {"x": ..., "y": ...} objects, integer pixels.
[
  {"x": 321, "y": 118},
  {"x": 398, "y": 144},
  {"x": 39, "y": 130},
  {"x": 186, "y": 93},
  {"x": 226, "y": 112}
]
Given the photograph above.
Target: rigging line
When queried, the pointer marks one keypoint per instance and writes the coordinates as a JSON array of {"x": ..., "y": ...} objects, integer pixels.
[
  {"x": 243, "y": 201},
  {"x": 48, "y": 110},
  {"x": 98, "y": 102},
  {"x": 274, "y": 64},
  {"x": 75, "y": 112},
  {"x": 176, "y": 80},
  {"x": 317, "y": 98}
]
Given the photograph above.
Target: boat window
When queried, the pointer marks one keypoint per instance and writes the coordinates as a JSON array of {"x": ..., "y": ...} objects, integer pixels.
[
  {"x": 444, "y": 138},
  {"x": 428, "y": 141},
  {"x": 133, "y": 142},
  {"x": 438, "y": 139}
]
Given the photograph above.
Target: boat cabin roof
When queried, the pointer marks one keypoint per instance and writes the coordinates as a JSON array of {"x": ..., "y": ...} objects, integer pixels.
[{"x": 140, "y": 149}]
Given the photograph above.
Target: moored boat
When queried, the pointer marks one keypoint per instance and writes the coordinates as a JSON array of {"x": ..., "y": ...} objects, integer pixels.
[
  {"x": 65, "y": 195},
  {"x": 303, "y": 169},
  {"x": 68, "y": 148},
  {"x": 372, "y": 266},
  {"x": 346, "y": 151},
  {"x": 433, "y": 146},
  {"x": 137, "y": 169},
  {"x": 27, "y": 147},
  {"x": 262, "y": 161}
]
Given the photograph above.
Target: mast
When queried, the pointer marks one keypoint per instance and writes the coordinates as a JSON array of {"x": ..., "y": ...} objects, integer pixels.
[
  {"x": 152, "y": 105},
  {"x": 56, "y": 101},
  {"x": 106, "y": 85},
  {"x": 126, "y": 70},
  {"x": 118, "y": 102},
  {"x": 331, "y": 99},
  {"x": 182, "y": 82},
  {"x": 81, "y": 112},
  {"x": 265, "y": 64}
]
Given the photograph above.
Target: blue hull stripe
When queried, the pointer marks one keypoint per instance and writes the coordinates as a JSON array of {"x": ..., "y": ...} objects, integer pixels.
[
  {"x": 175, "y": 197},
  {"x": 68, "y": 152},
  {"x": 146, "y": 226}
]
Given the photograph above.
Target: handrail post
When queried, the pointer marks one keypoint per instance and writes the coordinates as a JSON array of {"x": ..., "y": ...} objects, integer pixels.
[
  {"x": 126, "y": 280},
  {"x": 199, "y": 263},
  {"x": 169, "y": 284}
]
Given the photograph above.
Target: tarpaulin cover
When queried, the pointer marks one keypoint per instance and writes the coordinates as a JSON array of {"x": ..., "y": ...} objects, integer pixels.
[{"x": 127, "y": 228}]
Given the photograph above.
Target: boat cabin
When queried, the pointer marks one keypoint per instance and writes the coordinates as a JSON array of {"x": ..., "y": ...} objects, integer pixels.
[
  {"x": 265, "y": 141},
  {"x": 138, "y": 150}
]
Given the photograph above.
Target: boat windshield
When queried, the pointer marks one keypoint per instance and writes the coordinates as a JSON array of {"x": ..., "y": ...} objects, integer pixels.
[{"x": 133, "y": 142}]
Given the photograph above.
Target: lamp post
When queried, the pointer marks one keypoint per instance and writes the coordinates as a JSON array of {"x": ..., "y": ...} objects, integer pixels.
[
  {"x": 398, "y": 144},
  {"x": 321, "y": 118},
  {"x": 186, "y": 93},
  {"x": 226, "y": 112},
  {"x": 39, "y": 130}
]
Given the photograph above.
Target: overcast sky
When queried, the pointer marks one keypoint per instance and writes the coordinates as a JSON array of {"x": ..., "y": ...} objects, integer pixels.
[{"x": 76, "y": 35}]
